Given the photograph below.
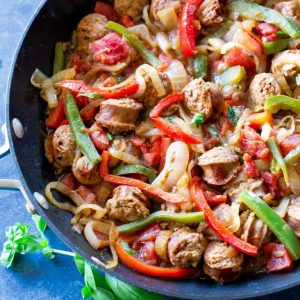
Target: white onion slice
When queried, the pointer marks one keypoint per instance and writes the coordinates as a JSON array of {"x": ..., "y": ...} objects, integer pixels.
[
  {"x": 266, "y": 130},
  {"x": 177, "y": 75},
  {"x": 126, "y": 157},
  {"x": 91, "y": 236},
  {"x": 294, "y": 180},
  {"x": 168, "y": 17},
  {"x": 281, "y": 209},
  {"x": 163, "y": 42},
  {"x": 142, "y": 31}
]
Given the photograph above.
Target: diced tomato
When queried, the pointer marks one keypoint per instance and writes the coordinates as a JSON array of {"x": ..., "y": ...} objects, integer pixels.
[
  {"x": 70, "y": 181},
  {"x": 215, "y": 66},
  {"x": 289, "y": 144},
  {"x": 106, "y": 9},
  {"x": 110, "y": 50},
  {"x": 240, "y": 57},
  {"x": 214, "y": 199},
  {"x": 86, "y": 194},
  {"x": 270, "y": 180},
  {"x": 126, "y": 21},
  {"x": 250, "y": 167},
  {"x": 277, "y": 257},
  {"x": 99, "y": 137},
  {"x": 252, "y": 143},
  {"x": 81, "y": 101},
  {"x": 151, "y": 155},
  {"x": 251, "y": 42},
  {"x": 64, "y": 122},
  {"x": 136, "y": 140},
  {"x": 145, "y": 252},
  {"x": 56, "y": 115},
  {"x": 90, "y": 114},
  {"x": 165, "y": 143},
  {"x": 267, "y": 30},
  {"x": 148, "y": 234},
  {"x": 75, "y": 61}
]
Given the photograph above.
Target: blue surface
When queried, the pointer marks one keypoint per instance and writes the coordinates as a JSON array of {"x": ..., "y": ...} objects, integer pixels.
[{"x": 34, "y": 276}]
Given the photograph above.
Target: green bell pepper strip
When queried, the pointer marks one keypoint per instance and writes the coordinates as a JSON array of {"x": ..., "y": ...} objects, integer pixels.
[
  {"x": 292, "y": 156},
  {"x": 277, "y": 225},
  {"x": 134, "y": 169},
  {"x": 59, "y": 58},
  {"x": 275, "y": 103},
  {"x": 183, "y": 218},
  {"x": 231, "y": 76},
  {"x": 276, "y": 46},
  {"x": 253, "y": 11},
  {"x": 200, "y": 66},
  {"x": 278, "y": 157},
  {"x": 135, "y": 42},
  {"x": 82, "y": 139}
]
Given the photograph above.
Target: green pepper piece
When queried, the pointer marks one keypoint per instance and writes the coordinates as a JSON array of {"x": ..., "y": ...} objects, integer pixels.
[
  {"x": 135, "y": 42},
  {"x": 275, "y": 103},
  {"x": 200, "y": 66},
  {"x": 292, "y": 156},
  {"x": 253, "y": 11},
  {"x": 183, "y": 218},
  {"x": 277, "y": 225},
  {"x": 59, "y": 58},
  {"x": 82, "y": 139},
  {"x": 278, "y": 157},
  {"x": 198, "y": 119},
  {"x": 276, "y": 46},
  {"x": 231, "y": 76},
  {"x": 134, "y": 169}
]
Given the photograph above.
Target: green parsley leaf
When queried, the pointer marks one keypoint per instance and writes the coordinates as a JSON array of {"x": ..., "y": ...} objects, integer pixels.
[
  {"x": 110, "y": 136},
  {"x": 86, "y": 292},
  {"x": 91, "y": 95},
  {"x": 169, "y": 119},
  {"x": 80, "y": 263},
  {"x": 198, "y": 119},
  {"x": 232, "y": 116},
  {"x": 282, "y": 34},
  {"x": 127, "y": 248},
  {"x": 123, "y": 290},
  {"x": 103, "y": 294}
]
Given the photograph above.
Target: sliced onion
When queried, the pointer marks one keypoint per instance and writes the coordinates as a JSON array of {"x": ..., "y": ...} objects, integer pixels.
[
  {"x": 74, "y": 196},
  {"x": 142, "y": 31},
  {"x": 161, "y": 244},
  {"x": 126, "y": 157},
  {"x": 284, "y": 133},
  {"x": 66, "y": 74},
  {"x": 190, "y": 167},
  {"x": 91, "y": 105},
  {"x": 229, "y": 215},
  {"x": 281, "y": 209},
  {"x": 168, "y": 17},
  {"x": 177, "y": 75},
  {"x": 163, "y": 42},
  {"x": 117, "y": 86},
  {"x": 147, "y": 19},
  {"x": 182, "y": 189},
  {"x": 91, "y": 236},
  {"x": 294, "y": 180},
  {"x": 147, "y": 70},
  {"x": 284, "y": 85},
  {"x": 37, "y": 78},
  {"x": 175, "y": 41},
  {"x": 49, "y": 93},
  {"x": 85, "y": 209},
  {"x": 266, "y": 131},
  {"x": 177, "y": 158},
  {"x": 232, "y": 31},
  {"x": 216, "y": 44}
]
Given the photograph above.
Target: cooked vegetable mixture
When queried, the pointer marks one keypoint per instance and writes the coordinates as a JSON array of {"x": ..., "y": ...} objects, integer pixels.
[{"x": 174, "y": 131}]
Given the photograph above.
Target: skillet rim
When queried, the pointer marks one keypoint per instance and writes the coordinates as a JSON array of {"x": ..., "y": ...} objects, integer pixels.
[{"x": 289, "y": 283}]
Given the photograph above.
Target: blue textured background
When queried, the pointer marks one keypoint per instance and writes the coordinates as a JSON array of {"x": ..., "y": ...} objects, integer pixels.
[{"x": 34, "y": 276}]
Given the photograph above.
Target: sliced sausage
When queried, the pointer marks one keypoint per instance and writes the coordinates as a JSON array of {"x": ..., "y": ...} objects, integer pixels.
[
  {"x": 293, "y": 218},
  {"x": 127, "y": 204},
  {"x": 209, "y": 13},
  {"x": 185, "y": 247},
  {"x": 119, "y": 115},
  {"x": 90, "y": 28},
  {"x": 131, "y": 8},
  {"x": 157, "y": 5}
]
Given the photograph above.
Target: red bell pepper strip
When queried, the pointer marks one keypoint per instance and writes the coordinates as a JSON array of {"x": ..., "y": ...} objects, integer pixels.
[
  {"x": 155, "y": 271},
  {"x": 56, "y": 115},
  {"x": 215, "y": 225},
  {"x": 80, "y": 87},
  {"x": 119, "y": 180},
  {"x": 168, "y": 128},
  {"x": 186, "y": 27}
]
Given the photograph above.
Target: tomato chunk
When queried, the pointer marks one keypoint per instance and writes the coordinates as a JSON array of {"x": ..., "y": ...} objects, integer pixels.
[
  {"x": 289, "y": 144},
  {"x": 252, "y": 143},
  {"x": 110, "y": 50},
  {"x": 240, "y": 57},
  {"x": 86, "y": 194},
  {"x": 99, "y": 138},
  {"x": 250, "y": 167},
  {"x": 267, "y": 30},
  {"x": 70, "y": 181},
  {"x": 270, "y": 180},
  {"x": 145, "y": 252},
  {"x": 106, "y": 9},
  {"x": 277, "y": 257}
]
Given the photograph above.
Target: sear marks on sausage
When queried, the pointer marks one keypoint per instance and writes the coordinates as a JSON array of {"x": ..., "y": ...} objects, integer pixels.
[
  {"x": 119, "y": 115},
  {"x": 293, "y": 218},
  {"x": 64, "y": 146},
  {"x": 219, "y": 165},
  {"x": 89, "y": 29},
  {"x": 223, "y": 263},
  {"x": 127, "y": 204},
  {"x": 198, "y": 97},
  {"x": 131, "y": 8},
  {"x": 261, "y": 88},
  {"x": 185, "y": 247},
  {"x": 83, "y": 174},
  {"x": 209, "y": 13},
  {"x": 157, "y": 5}
]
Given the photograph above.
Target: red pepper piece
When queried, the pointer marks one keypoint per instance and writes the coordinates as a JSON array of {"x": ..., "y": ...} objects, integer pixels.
[{"x": 106, "y": 9}]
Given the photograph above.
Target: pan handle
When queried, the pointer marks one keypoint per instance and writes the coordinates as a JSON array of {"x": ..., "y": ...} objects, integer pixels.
[
  {"x": 17, "y": 185},
  {"x": 5, "y": 147}
]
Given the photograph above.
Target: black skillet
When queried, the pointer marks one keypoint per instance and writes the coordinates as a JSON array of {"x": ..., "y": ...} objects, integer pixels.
[{"x": 52, "y": 22}]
